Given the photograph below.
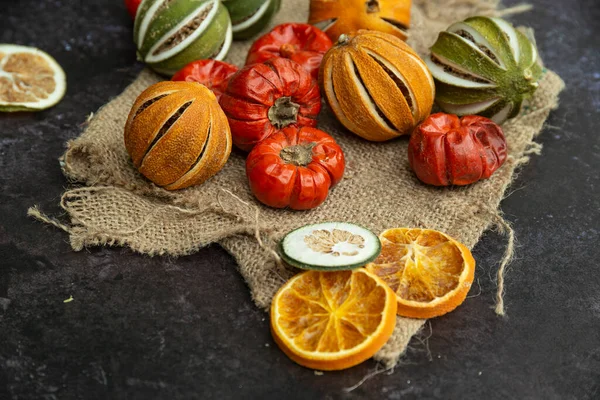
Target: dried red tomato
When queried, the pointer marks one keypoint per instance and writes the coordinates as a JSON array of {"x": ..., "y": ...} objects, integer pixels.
[
  {"x": 263, "y": 98},
  {"x": 445, "y": 150},
  {"x": 211, "y": 73},
  {"x": 302, "y": 43},
  {"x": 132, "y": 6},
  {"x": 295, "y": 168}
]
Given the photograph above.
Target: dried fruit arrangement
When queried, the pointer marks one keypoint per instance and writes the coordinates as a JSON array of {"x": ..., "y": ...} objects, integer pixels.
[
  {"x": 343, "y": 309},
  {"x": 340, "y": 314}
]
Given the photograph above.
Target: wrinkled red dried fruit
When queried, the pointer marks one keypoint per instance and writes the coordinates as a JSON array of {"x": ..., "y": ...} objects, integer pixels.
[
  {"x": 213, "y": 74},
  {"x": 446, "y": 150},
  {"x": 302, "y": 43}
]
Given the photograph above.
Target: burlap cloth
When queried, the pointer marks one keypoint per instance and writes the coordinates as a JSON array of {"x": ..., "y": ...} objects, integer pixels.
[{"x": 119, "y": 207}]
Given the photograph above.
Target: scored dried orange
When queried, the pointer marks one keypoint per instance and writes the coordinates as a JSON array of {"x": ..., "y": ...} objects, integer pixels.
[
  {"x": 430, "y": 272},
  {"x": 333, "y": 320}
]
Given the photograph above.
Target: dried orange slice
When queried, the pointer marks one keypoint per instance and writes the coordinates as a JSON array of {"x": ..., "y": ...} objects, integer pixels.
[
  {"x": 333, "y": 320},
  {"x": 29, "y": 79},
  {"x": 430, "y": 272}
]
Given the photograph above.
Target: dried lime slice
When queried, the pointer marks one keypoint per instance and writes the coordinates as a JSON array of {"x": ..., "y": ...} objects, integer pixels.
[
  {"x": 30, "y": 79},
  {"x": 330, "y": 246}
]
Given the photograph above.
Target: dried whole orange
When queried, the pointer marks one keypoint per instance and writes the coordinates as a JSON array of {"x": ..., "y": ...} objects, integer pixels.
[
  {"x": 177, "y": 135},
  {"x": 376, "y": 85},
  {"x": 430, "y": 272},
  {"x": 336, "y": 17},
  {"x": 333, "y": 320}
]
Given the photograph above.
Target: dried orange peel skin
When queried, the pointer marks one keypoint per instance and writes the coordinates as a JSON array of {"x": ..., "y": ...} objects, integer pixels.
[
  {"x": 430, "y": 272},
  {"x": 333, "y": 320}
]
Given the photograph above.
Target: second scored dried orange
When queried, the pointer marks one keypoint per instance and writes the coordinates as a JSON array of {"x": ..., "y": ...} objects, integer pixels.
[
  {"x": 333, "y": 320},
  {"x": 430, "y": 272}
]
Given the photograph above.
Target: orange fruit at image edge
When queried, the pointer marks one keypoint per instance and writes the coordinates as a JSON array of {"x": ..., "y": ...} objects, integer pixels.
[
  {"x": 333, "y": 320},
  {"x": 430, "y": 272}
]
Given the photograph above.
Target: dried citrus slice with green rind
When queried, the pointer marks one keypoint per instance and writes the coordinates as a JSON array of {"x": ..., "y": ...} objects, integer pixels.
[
  {"x": 30, "y": 79},
  {"x": 330, "y": 246}
]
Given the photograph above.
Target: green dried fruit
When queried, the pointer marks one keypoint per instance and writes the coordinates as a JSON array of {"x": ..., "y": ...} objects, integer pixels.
[
  {"x": 484, "y": 66},
  {"x": 330, "y": 246},
  {"x": 172, "y": 33},
  {"x": 249, "y": 17}
]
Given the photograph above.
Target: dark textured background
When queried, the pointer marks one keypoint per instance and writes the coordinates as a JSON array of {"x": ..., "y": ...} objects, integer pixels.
[{"x": 142, "y": 328}]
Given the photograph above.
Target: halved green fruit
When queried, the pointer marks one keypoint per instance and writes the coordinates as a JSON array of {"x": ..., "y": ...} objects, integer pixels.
[
  {"x": 330, "y": 246},
  {"x": 249, "y": 17},
  {"x": 30, "y": 79},
  {"x": 169, "y": 34},
  {"x": 484, "y": 66}
]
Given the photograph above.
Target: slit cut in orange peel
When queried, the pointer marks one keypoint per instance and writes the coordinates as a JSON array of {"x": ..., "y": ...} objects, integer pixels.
[
  {"x": 430, "y": 272},
  {"x": 333, "y": 320}
]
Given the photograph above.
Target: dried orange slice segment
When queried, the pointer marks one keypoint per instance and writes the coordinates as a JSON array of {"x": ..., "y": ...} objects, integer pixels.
[
  {"x": 333, "y": 320},
  {"x": 430, "y": 272},
  {"x": 30, "y": 79}
]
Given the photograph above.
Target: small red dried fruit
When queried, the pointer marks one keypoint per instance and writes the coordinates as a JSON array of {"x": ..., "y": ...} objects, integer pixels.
[
  {"x": 213, "y": 74},
  {"x": 302, "y": 43},
  {"x": 261, "y": 99},
  {"x": 295, "y": 168},
  {"x": 446, "y": 150}
]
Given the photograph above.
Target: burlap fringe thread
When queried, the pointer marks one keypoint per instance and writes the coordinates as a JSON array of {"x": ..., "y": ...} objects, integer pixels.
[{"x": 500, "y": 223}]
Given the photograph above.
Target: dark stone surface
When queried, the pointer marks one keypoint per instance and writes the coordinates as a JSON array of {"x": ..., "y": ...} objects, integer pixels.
[{"x": 142, "y": 328}]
